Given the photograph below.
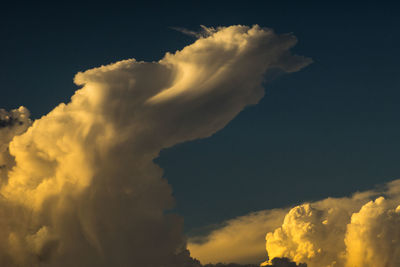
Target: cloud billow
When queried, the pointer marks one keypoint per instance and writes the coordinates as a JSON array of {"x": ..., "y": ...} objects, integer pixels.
[
  {"x": 360, "y": 230},
  {"x": 79, "y": 186}
]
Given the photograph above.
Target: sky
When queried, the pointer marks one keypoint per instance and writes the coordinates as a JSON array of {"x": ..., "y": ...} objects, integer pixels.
[{"x": 328, "y": 129}]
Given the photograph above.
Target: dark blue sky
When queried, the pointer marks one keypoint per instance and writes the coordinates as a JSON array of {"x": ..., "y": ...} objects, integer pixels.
[{"x": 328, "y": 130}]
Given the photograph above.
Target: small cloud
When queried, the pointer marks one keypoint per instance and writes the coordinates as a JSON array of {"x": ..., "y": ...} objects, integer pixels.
[{"x": 202, "y": 33}]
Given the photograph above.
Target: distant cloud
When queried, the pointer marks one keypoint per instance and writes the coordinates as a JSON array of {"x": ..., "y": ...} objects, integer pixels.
[
  {"x": 79, "y": 186},
  {"x": 277, "y": 262},
  {"x": 184, "y": 259},
  {"x": 361, "y": 230},
  {"x": 240, "y": 240},
  {"x": 202, "y": 33}
]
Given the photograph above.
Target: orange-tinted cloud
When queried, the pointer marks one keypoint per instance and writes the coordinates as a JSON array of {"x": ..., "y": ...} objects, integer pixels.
[
  {"x": 79, "y": 186},
  {"x": 361, "y": 230},
  {"x": 240, "y": 240}
]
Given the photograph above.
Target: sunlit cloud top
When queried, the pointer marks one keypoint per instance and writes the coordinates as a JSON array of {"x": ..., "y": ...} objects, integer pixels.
[{"x": 79, "y": 186}]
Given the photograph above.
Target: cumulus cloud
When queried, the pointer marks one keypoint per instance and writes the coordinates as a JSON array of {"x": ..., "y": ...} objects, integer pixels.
[
  {"x": 79, "y": 186},
  {"x": 361, "y": 230},
  {"x": 277, "y": 262},
  {"x": 373, "y": 235},
  {"x": 12, "y": 123}
]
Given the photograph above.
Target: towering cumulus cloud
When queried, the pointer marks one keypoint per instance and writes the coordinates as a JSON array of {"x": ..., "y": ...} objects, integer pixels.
[
  {"x": 361, "y": 230},
  {"x": 79, "y": 186}
]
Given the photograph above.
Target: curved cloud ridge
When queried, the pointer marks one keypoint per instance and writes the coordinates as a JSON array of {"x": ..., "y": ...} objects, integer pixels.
[{"x": 79, "y": 186}]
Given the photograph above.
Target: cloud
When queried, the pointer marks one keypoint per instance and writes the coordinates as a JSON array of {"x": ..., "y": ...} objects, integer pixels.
[
  {"x": 284, "y": 262},
  {"x": 373, "y": 235},
  {"x": 184, "y": 259},
  {"x": 80, "y": 187},
  {"x": 12, "y": 123},
  {"x": 203, "y": 33},
  {"x": 361, "y": 230},
  {"x": 240, "y": 240},
  {"x": 277, "y": 262}
]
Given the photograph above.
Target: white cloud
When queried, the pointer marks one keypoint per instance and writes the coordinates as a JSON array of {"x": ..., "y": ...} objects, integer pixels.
[{"x": 83, "y": 189}]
